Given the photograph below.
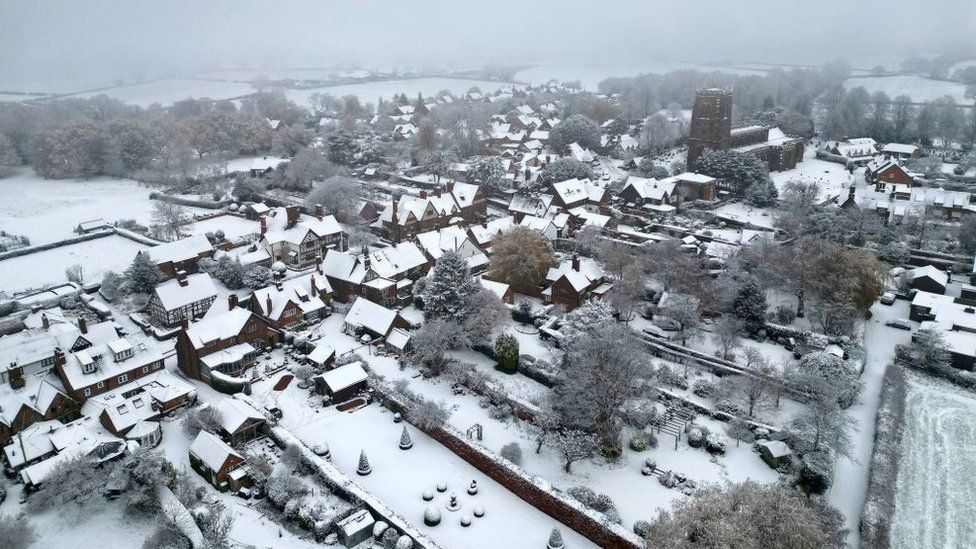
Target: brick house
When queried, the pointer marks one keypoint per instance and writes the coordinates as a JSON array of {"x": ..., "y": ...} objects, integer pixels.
[
  {"x": 383, "y": 275},
  {"x": 293, "y": 302},
  {"x": 574, "y": 193},
  {"x": 574, "y": 281},
  {"x": 887, "y": 171},
  {"x": 371, "y": 318},
  {"x": 25, "y": 407},
  {"x": 217, "y": 462},
  {"x": 403, "y": 219},
  {"x": 132, "y": 410},
  {"x": 102, "y": 368},
  {"x": 226, "y": 343},
  {"x": 185, "y": 296}
]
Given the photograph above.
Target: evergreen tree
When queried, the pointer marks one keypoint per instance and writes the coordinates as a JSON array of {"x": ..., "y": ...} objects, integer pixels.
[
  {"x": 142, "y": 275},
  {"x": 448, "y": 288},
  {"x": 750, "y": 306},
  {"x": 405, "y": 442},
  {"x": 555, "y": 540},
  {"x": 257, "y": 277},
  {"x": 364, "y": 468},
  {"x": 507, "y": 353}
]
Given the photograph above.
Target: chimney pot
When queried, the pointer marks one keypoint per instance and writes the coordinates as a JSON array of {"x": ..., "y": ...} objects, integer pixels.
[
  {"x": 181, "y": 278},
  {"x": 268, "y": 304},
  {"x": 82, "y": 325},
  {"x": 576, "y": 262},
  {"x": 231, "y": 301},
  {"x": 264, "y": 224},
  {"x": 45, "y": 321},
  {"x": 319, "y": 212},
  {"x": 423, "y": 194}
]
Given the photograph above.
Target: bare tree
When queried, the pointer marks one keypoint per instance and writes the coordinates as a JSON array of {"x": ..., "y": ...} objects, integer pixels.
[
  {"x": 727, "y": 330},
  {"x": 169, "y": 217},
  {"x": 573, "y": 445}
]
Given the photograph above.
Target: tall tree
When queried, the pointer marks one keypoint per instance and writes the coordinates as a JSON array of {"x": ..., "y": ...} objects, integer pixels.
[
  {"x": 520, "y": 258},
  {"x": 448, "y": 288}
]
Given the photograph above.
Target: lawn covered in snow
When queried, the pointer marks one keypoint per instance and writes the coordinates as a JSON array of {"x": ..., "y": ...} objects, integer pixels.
[
  {"x": 370, "y": 92},
  {"x": 832, "y": 178},
  {"x": 234, "y": 227},
  {"x": 919, "y": 88},
  {"x": 47, "y": 210},
  {"x": 96, "y": 256},
  {"x": 936, "y": 498},
  {"x": 168, "y": 91}
]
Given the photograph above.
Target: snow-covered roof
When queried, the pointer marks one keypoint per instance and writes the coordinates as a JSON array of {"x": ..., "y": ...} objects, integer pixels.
[
  {"x": 530, "y": 204},
  {"x": 581, "y": 153},
  {"x": 234, "y": 413},
  {"x": 144, "y": 353},
  {"x": 212, "y": 451},
  {"x": 180, "y": 250},
  {"x": 588, "y": 272},
  {"x": 321, "y": 353},
  {"x": 217, "y": 327},
  {"x": 776, "y": 448},
  {"x": 343, "y": 377},
  {"x": 172, "y": 294},
  {"x": 371, "y": 316},
  {"x": 398, "y": 338},
  {"x": 651, "y": 189},
  {"x": 485, "y": 233},
  {"x": 899, "y": 148},
  {"x": 278, "y": 229},
  {"x": 497, "y": 288},
  {"x": 575, "y": 190},
  {"x": 931, "y": 272},
  {"x": 304, "y": 291}
]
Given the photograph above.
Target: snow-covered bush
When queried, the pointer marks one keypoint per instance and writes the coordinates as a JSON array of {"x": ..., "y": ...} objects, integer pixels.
[
  {"x": 501, "y": 412},
  {"x": 512, "y": 452},
  {"x": 428, "y": 414},
  {"x": 715, "y": 443},
  {"x": 507, "y": 353},
  {"x": 638, "y": 412},
  {"x": 390, "y": 538},
  {"x": 593, "y": 500},
  {"x": 282, "y": 488},
  {"x": 404, "y": 542},
  {"x": 523, "y": 312},
  {"x": 703, "y": 388},
  {"x": 432, "y": 516},
  {"x": 817, "y": 470},
  {"x": 641, "y": 527},
  {"x": 201, "y": 418},
  {"x": 730, "y": 407},
  {"x": 642, "y": 442},
  {"x": 669, "y": 377},
  {"x": 695, "y": 437}
]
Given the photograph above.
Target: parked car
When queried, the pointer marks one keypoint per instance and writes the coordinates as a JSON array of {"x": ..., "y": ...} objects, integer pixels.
[
  {"x": 888, "y": 298},
  {"x": 900, "y": 323}
]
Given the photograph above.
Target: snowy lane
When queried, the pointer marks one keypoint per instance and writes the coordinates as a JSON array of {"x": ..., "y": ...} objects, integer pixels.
[
  {"x": 851, "y": 476},
  {"x": 936, "y": 495}
]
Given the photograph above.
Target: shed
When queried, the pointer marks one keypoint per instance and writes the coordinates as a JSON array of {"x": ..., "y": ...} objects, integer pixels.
[
  {"x": 356, "y": 528},
  {"x": 929, "y": 279},
  {"x": 774, "y": 452},
  {"x": 342, "y": 382},
  {"x": 321, "y": 356}
]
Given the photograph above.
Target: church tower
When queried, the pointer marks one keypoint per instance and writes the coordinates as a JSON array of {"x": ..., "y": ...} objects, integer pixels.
[{"x": 711, "y": 123}]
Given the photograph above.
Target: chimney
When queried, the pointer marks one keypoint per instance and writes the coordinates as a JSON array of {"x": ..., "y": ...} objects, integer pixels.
[
  {"x": 59, "y": 359},
  {"x": 394, "y": 218},
  {"x": 264, "y": 224},
  {"x": 318, "y": 263},
  {"x": 82, "y": 324},
  {"x": 268, "y": 304},
  {"x": 292, "y": 213},
  {"x": 319, "y": 212},
  {"x": 181, "y": 278},
  {"x": 314, "y": 290},
  {"x": 231, "y": 301},
  {"x": 366, "y": 257},
  {"x": 45, "y": 321},
  {"x": 850, "y": 192},
  {"x": 184, "y": 323},
  {"x": 423, "y": 194},
  {"x": 576, "y": 262},
  {"x": 450, "y": 187},
  {"x": 437, "y": 192},
  {"x": 484, "y": 222}
]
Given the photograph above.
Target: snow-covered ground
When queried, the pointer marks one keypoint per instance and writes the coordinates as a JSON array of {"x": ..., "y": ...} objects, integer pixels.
[
  {"x": 590, "y": 75},
  {"x": 96, "y": 256},
  {"x": 91, "y": 525},
  {"x": 936, "y": 497},
  {"x": 832, "y": 178},
  {"x": 740, "y": 211},
  {"x": 851, "y": 475},
  {"x": 919, "y": 88},
  {"x": 168, "y": 91},
  {"x": 46, "y": 210},
  {"x": 370, "y": 92},
  {"x": 234, "y": 227}
]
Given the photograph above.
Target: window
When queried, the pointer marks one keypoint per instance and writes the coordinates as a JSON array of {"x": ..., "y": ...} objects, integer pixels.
[
  {"x": 87, "y": 392},
  {"x": 145, "y": 369},
  {"x": 157, "y": 365},
  {"x": 123, "y": 378},
  {"x": 101, "y": 384}
]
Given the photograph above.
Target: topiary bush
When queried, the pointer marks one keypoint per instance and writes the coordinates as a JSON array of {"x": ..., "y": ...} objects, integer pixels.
[{"x": 512, "y": 452}]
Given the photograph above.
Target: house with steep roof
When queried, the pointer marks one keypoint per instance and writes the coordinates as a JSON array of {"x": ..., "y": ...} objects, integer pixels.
[
  {"x": 434, "y": 244},
  {"x": 223, "y": 344},
  {"x": 217, "y": 462},
  {"x": 103, "y": 367},
  {"x": 887, "y": 170},
  {"x": 383, "y": 275},
  {"x": 239, "y": 421},
  {"x": 484, "y": 233},
  {"x": 294, "y": 302},
  {"x": 405, "y": 218},
  {"x": 574, "y": 281},
  {"x": 39, "y": 401},
  {"x": 185, "y": 296},
  {"x": 367, "y": 317},
  {"x": 573, "y": 193},
  {"x": 298, "y": 240}
]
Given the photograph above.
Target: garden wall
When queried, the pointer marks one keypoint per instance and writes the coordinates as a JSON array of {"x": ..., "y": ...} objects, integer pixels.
[
  {"x": 540, "y": 494},
  {"x": 879, "y": 505}
]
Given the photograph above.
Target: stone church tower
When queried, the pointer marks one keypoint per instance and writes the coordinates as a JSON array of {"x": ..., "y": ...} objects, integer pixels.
[{"x": 711, "y": 123}]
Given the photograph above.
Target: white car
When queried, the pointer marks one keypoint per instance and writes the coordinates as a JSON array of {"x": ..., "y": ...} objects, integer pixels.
[{"x": 888, "y": 298}]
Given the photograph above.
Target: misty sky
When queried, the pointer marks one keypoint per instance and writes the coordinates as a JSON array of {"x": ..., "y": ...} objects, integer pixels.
[{"x": 42, "y": 39}]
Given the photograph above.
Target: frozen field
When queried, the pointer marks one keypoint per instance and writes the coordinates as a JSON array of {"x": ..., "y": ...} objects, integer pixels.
[
  {"x": 97, "y": 256},
  {"x": 46, "y": 210},
  {"x": 168, "y": 91},
  {"x": 918, "y": 88},
  {"x": 936, "y": 494},
  {"x": 370, "y": 92}
]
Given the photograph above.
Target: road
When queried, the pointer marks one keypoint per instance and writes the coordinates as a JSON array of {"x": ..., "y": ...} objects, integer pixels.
[{"x": 851, "y": 477}]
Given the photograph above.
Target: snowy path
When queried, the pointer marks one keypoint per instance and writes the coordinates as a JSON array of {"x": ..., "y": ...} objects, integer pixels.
[
  {"x": 936, "y": 497},
  {"x": 851, "y": 477}
]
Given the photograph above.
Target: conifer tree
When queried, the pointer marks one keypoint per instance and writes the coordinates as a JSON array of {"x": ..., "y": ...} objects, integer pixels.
[
  {"x": 448, "y": 289},
  {"x": 142, "y": 275}
]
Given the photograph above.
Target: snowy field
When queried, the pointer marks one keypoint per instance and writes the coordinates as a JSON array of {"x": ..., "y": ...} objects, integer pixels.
[
  {"x": 370, "y": 92},
  {"x": 920, "y": 89},
  {"x": 97, "y": 256},
  {"x": 46, "y": 210},
  {"x": 168, "y": 91},
  {"x": 936, "y": 496}
]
